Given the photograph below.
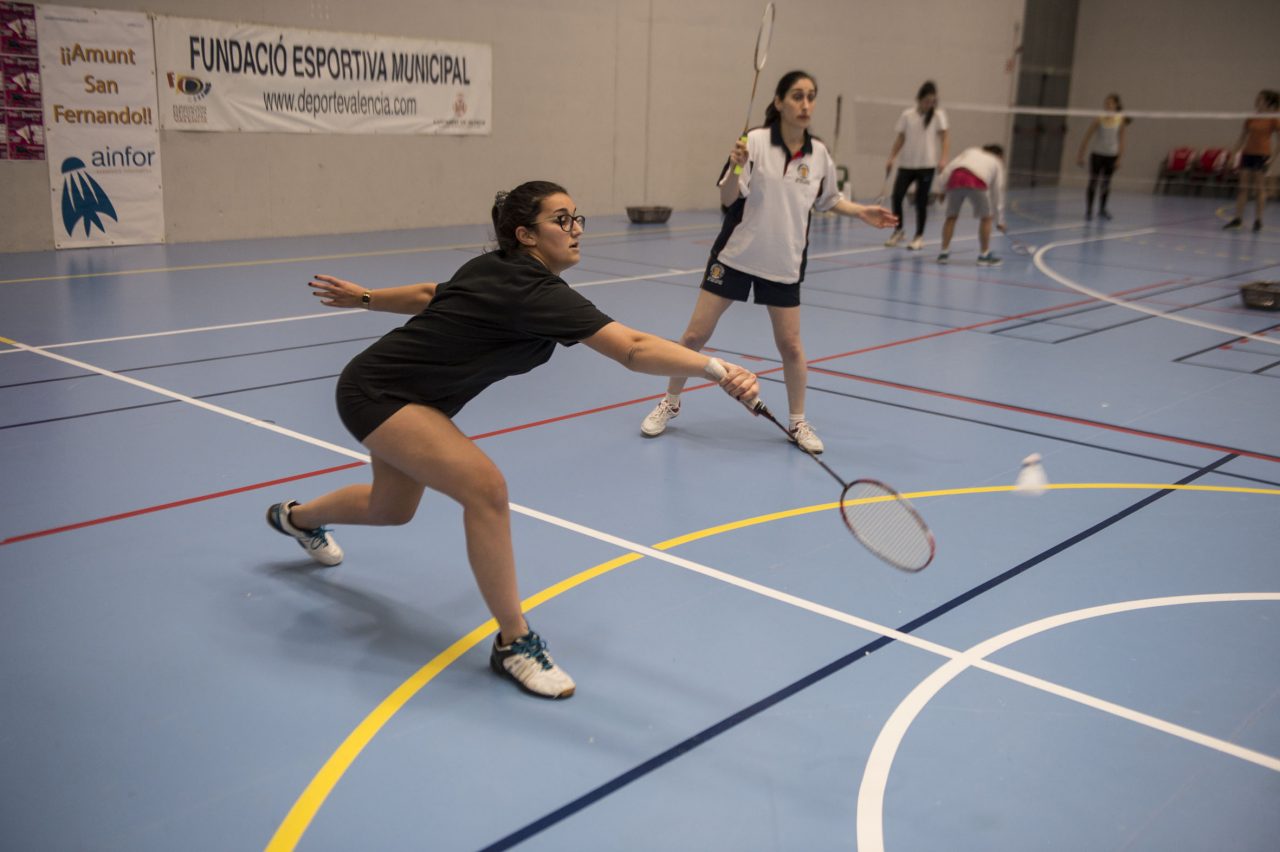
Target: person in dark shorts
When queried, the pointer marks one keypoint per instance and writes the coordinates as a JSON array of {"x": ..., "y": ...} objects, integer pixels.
[
  {"x": 1254, "y": 150},
  {"x": 763, "y": 244},
  {"x": 501, "y": 315}
]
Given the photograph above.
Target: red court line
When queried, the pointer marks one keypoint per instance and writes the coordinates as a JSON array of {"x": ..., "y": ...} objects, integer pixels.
[
  {"x": 175, "y": 504},
  {"x": 1066, "y": 418},
  {"x": 944, "y": 332}
]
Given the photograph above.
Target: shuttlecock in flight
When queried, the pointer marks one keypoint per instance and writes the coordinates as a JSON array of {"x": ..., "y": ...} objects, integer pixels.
[{"x": 1032, "y": 480}]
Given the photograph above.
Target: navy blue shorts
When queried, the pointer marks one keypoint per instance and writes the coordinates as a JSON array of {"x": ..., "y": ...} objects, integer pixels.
[
  {"x": 1253, "y": 162},
  {"x": 729, "y": 283}
]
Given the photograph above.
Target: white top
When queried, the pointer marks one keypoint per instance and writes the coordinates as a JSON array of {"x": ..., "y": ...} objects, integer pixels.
[
  {"x": 1106, "y": 139},
  {"x": 988, "y": 168},
  {"x": 921, "y": 146},
  {"x": 766, "y": 231}
]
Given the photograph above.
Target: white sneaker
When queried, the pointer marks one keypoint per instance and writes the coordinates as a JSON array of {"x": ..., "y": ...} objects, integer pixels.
[
  {"x": 894, "y": 239},
  {"x": 916, "y": 244},
  {"x": 802, "y": 434},
  {"x": 318, "y": 543},
  {"x": 527, "y": 662},
  {"x": 656, "y": 423}
]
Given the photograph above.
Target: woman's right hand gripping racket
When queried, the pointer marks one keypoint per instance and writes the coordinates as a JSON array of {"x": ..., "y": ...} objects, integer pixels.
[{"x": 878, "y": 516}]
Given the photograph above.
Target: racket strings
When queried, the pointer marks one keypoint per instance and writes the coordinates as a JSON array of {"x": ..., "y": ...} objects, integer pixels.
[{"x": 886, "y": 524}]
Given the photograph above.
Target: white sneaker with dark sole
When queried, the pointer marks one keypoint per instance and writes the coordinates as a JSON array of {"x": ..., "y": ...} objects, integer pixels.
[
  {"x": 527, "y": 662},
  {"x": 916, "y": 244},
  {"x": 318, "y": 543},
  {"x": 894, "y": 239},
  {"x": 656, "y": 421},
  {"x": 803, "y": 436}
]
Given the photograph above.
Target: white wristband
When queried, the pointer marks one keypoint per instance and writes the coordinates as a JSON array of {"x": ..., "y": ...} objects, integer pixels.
[{"x": 715, "y": 370}]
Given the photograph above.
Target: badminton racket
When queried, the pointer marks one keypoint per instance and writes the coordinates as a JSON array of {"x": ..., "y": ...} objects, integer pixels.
[
  {"x": 763, "y": 36},
  {"x": 842, "y": 173},
  {"x": 1017, "y": 246},
  {"x": 879, "y": 517},
  {"x": 884, "y": 187}
]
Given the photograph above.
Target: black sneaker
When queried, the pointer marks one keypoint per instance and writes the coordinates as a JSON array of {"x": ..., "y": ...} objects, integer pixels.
[
  {"x": 1104, "y": 214},
  {"x": 989, "y": 259},
  {"x": 1232, "y": 225},
  {"x": 318, "y": 543},
  {"x": 527, "y": 662},
  {"x": 1257, "y": 225}
]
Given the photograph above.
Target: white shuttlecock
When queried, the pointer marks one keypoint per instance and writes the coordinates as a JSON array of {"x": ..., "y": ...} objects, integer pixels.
[{"x": 1032, "y": 480}]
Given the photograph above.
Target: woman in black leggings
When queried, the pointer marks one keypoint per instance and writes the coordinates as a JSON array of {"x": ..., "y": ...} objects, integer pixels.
[{"x": 922, "y": 142}]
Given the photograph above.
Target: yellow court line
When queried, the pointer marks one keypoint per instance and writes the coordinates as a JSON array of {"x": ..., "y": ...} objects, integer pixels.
[
  {"x": 233, "y": 264},
  {"x": 308, "y": 804}
]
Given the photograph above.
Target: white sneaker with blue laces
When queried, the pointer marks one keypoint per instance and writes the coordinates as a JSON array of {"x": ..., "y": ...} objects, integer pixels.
[
  {"x": 318, "y": 543},
  {"x": 527, "y": 662}
]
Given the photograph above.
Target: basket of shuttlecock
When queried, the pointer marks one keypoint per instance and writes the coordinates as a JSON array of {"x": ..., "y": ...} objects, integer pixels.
[
  {"x": 648, "y": 215},
  {"x": 1262, "y": 295}
]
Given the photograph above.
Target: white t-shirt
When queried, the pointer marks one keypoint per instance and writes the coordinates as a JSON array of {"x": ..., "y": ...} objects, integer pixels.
[
  {"x": 1106, "y": 139},
  {"x": 988, "y": 168},
  {"x": 921, "y": 146},
  {"x": 766, "y": 231}
]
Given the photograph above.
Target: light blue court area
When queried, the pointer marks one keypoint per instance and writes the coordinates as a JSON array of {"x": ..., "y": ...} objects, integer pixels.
[{"x": 1094, "y": 668}]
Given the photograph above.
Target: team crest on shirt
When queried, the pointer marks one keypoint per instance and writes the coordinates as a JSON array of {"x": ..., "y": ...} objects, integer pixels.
[
  {"x": 716, "y": 273},
  {"x": 802, "y": 173}
]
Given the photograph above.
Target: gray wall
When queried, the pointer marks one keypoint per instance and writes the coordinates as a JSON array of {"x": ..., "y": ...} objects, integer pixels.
[
  {"x": 1171, "y": 55},
  {"x": 623, "y": 101}
]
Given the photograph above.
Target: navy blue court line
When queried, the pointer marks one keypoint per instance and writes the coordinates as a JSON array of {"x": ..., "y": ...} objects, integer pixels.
[
  {"x": 707, "y": 734},
  {"x": 1263, "y": 330},
  {"x": 195, "y": 361},
  {"x": 166, "y": 402}
]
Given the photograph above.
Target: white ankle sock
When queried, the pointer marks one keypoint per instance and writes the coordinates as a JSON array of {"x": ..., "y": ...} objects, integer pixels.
[
  {"x": 796, "y": 418},
  {"x": 673, "y": 400}
]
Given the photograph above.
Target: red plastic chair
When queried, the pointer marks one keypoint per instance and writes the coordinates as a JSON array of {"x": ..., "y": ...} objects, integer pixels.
[{"x": 1176, "y": 166}]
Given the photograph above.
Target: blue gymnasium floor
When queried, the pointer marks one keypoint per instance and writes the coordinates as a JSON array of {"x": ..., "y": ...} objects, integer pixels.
[{"x": 1091, "y": 669}]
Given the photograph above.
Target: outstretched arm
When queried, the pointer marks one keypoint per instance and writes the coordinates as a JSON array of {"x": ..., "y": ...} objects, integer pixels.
[
  {"x": 876, "y": 217},
  {"x": 337, "y": 293},
  {"x": 641, "y": 352}
]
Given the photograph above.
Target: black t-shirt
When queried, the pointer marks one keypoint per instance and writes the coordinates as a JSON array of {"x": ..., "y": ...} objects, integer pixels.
[{"x": 500, "y": 315}]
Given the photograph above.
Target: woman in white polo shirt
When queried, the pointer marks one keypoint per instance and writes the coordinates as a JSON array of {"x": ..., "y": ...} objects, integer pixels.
[
  {"x": 920, "y": 149},
  {"x": 763, "y": 245}
]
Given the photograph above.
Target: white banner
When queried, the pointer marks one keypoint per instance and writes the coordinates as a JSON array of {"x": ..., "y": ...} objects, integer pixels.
[
  {"x": 98, "y": 73},
  {"x": 250, "y": 77}
]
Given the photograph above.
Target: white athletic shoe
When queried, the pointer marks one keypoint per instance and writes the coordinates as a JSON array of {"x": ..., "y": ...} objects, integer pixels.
[
  {"x": 318, "y": 543},
  {"x": 894, "y": 239},
  {"x": 803, "y": 435},
  {"x": 916, "y": 244},
  {"x": 656, "y": 422},
  {"x": 527, "y": 662}
]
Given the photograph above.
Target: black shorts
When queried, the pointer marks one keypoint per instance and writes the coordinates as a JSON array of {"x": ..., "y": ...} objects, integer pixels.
[
  {"x": 729, "y": 283},
  {"x": 360, "y": 413},
  {"x": 1253, "y": 162}
]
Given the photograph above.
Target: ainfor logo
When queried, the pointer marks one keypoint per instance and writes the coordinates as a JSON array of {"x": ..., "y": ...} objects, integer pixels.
[{"x": 83, "y": 198}]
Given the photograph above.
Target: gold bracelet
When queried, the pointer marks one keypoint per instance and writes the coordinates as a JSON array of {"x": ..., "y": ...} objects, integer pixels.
[{"x": 366, "y": 300}]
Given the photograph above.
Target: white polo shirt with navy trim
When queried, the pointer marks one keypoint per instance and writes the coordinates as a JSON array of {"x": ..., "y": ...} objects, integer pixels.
[{"x": 766, "y": 231}]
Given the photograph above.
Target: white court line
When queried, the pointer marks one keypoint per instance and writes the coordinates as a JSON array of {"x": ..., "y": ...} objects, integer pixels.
[
  {"x": 333, "y": 313},
  {"x": 1103, "y": 297},
  {"x": 870, "y": 811},
  {"x": 747, "y": 585}
]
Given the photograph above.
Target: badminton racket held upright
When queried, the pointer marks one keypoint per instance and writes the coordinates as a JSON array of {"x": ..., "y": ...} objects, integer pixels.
[
  {"x": 879, "y": 517},
  {"x": 763, "y": 36}
]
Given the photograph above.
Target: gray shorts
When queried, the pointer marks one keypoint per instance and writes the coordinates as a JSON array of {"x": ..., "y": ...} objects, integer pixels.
[{"x": 980, "y": 199}]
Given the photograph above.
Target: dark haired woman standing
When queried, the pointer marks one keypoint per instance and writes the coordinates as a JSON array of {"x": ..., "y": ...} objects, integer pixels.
[
  {"x": 1254, "y": 150},
  {"x": 500, "y": 315},
  {"x": 1106, "y": 132},
  {"x": 923, "y": 142},
  {"x": 764, "y": 242}
]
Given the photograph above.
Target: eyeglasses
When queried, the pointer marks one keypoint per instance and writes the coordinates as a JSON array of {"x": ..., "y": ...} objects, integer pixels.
[{"x": 566, "y": 221}]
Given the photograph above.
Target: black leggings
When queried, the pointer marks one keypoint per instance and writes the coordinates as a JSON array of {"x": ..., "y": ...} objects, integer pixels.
[
  {"x": 923, "y": 179},
  {"x": 1101, "y": 168}
]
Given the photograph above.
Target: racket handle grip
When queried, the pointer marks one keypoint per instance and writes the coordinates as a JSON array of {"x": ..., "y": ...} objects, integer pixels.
[{"x": 737, "y": 170}]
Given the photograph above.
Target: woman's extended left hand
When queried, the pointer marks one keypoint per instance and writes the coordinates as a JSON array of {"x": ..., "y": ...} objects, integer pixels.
[{"x": 877, "y": 217}]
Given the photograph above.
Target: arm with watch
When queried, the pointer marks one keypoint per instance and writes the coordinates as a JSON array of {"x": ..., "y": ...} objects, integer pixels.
[{"x": 337, "y": 293}]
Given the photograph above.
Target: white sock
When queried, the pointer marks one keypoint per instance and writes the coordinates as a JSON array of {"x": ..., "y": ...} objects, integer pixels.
[
  {"x": 795, "y": 419},
  {"x": 673, "y": 400}
]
